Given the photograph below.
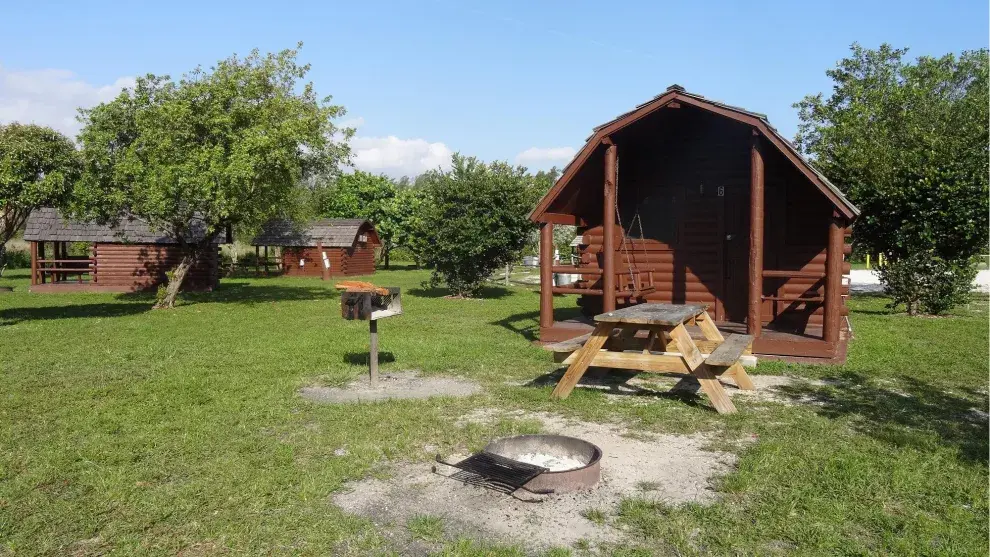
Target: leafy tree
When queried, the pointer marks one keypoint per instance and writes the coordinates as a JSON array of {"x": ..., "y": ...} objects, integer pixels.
[
  {"x": 907, "y": 142},
  {"x": 220, "y": 149},
  {"x": 474, "y": 220},
  {"x": 38, "y": 166},
  {"x": 411, "y": 230},
  {"x": 367, "y": 196}
]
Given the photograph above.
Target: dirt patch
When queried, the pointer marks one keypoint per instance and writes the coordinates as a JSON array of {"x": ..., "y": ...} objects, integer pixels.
[
  {"x": 669, "y": 468},
  {"x": 400, "y": 385}
]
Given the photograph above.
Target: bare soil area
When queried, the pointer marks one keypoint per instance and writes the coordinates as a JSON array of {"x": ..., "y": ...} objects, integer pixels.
[
  {"x": 670, "y": 468},
  {"x": 400, "y": 385}
]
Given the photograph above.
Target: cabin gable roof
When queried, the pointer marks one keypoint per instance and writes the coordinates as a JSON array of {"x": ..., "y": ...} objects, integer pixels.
[
  {"x": 677, "y": 93},
  {"x": 49, "y": 225},
  {"x": 332, "y": 233}
]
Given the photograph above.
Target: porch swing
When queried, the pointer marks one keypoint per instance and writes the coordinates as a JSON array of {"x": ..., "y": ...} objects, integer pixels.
[{"x": 640, "y": 282}]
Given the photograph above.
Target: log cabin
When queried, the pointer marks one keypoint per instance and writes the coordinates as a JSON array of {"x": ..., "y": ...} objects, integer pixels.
[
  {"x": 323, "y": 248},
  {"x": 126, "y": 257},
  {"x": 689, "y": 200}
]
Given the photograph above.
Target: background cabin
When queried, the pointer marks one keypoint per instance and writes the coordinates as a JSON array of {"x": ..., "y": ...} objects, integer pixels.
[
  {"x": 688, "y": 200},
  {"x": 349, "y": 246},
  {"x": 125, "y": 258}
]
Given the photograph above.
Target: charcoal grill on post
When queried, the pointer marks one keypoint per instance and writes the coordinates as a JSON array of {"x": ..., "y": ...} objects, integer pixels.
[{"x": 367, "y": 302}]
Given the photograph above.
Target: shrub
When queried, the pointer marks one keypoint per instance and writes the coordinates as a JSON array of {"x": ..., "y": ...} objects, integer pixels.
[
  {"x": 927, "y": 283},
  {"x": 475, "y": 220},
  {"x": 17, "y": 259}
]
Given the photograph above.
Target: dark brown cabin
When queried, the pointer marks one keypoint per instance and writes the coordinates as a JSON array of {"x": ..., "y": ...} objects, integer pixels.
[
  {"x": 123, "y": 258},
  {"x": 349, "y": 246},
  {"x": 688, "y": 200}
]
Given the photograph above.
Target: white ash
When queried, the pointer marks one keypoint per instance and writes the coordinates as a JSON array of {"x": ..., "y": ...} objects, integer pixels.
[{"x": 554, "y": 463}]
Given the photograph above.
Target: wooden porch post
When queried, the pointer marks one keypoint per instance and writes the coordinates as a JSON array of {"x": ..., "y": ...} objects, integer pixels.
[
  {"x": 608, "y": 227},
  {"x": 833, "y": 280},
  {"x": 257, "y": 261},
  {"x": 754, "y": 321},
  {"x": 41, "y": 257},
  {"x": 34, "y": 263},
  {"x": 546, "y": 275}
]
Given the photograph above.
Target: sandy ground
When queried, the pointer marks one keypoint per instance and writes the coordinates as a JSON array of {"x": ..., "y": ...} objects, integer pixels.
[
  {"x": 403, "y": 384},
  {"x": 670, "y": 468}
]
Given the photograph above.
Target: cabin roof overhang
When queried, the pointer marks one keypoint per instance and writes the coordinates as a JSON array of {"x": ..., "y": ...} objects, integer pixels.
[
  {"x": 677, "y": 94},
  {"x": 330, "y": 233}
]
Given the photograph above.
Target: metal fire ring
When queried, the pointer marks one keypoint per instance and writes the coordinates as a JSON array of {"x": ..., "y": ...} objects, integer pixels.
[{"x": 575, "y": 479}]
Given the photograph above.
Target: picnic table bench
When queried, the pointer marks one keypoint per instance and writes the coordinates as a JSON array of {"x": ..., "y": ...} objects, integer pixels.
[{"x": 668, "y": 348}]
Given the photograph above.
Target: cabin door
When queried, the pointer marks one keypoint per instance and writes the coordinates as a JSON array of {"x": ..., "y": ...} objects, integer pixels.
[{"x": 735, "y": 254}]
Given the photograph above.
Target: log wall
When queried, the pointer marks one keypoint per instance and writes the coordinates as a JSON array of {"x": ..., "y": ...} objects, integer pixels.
[
  {"x": 144, "y": 266},
  {"x": 687, "y": 180},
  {"x": 359, "y": 260}
]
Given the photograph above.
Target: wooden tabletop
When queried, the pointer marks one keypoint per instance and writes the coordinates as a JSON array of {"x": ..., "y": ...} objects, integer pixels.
[{"x": 669, "y": 315}]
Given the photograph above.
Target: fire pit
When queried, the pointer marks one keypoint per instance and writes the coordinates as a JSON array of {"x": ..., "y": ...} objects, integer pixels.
[{"x": 536, "y": 463}]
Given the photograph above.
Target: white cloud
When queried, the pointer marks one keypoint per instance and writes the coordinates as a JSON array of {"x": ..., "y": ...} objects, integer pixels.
[
  {"x": 545, "y": 156},
  {"x": 51, "y": 97},
  {"x": 352, "y": 123},
  {"x": 398, "y": 157}
]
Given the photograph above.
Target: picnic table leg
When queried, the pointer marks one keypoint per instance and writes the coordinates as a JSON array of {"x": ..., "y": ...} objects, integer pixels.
[
  {"x": 738, "y": 373},
  {"x": 585, "y": 356},
  {"x": 696, "y": 363},
  {"x": 708, "y": 327}
]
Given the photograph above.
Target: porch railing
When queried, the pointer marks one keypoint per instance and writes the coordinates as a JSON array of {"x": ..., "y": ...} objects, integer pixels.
[{"x": 59, "y": 270}]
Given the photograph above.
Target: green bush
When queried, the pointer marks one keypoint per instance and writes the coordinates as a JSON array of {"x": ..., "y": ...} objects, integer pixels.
[
  {"x": 17, "y": 259},
  {"x": 927, "y": 283},
  {"x": 474, "y": 221}
]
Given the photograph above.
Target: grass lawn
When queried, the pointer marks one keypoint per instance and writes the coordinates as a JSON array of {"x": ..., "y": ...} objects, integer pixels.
[{"x": 162, "y": 432}]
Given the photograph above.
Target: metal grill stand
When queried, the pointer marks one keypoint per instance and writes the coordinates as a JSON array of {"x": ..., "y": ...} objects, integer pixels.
[
  {"x": 365, "y": 301},
  {"x": 373, "y": 352}
]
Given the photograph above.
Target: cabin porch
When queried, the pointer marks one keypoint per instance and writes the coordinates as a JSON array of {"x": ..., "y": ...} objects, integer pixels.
[{"x": 711, "y": 206}]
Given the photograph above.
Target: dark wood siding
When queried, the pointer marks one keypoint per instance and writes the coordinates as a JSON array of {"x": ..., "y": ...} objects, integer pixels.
[
  {"x": 684, "y": 180},
  {"x": 359, "y": 260},
  {"x": 143, "y": 266}
]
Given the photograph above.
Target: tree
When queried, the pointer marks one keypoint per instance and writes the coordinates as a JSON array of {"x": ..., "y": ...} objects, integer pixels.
[
  {"x": 475, "y": 219},
  {"x": 38, "y": 166},
  {"x": 220, "y": 149},
  {"x": 366, "y": 196},
  {"x": 907, "y": 142}
]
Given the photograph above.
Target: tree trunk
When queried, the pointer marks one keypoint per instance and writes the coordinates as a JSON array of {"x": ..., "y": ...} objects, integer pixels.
[
  {"x": 178, "y": 276},
  {"x": 233, "y": 259},
  {"x": 387, "y": 251}
]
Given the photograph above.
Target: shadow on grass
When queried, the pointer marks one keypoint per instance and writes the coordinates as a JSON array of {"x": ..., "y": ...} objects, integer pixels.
[
  {"x": 527, "y": 323},
  {"x": 486, "y": 293},
  {"x": 616, "y": 382},
  {"x": 73, "y": 311},
  {"x": 243, "y": 293},
  {"x": 362, "y": 358},
  {"x": 906, "y": 413}
]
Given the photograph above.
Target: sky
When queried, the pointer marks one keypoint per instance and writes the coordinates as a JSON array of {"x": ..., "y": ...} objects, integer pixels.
[{"x": 521, "y": 81}]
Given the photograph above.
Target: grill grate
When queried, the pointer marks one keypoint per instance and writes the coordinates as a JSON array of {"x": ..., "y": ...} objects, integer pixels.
[{"x": 494, "y": 472}]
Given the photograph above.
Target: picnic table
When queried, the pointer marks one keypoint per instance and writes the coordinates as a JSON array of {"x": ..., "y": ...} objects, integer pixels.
[{"x": 669, "y": 348}]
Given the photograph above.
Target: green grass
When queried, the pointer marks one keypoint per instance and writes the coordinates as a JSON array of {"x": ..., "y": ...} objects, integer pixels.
[
  {"x": 425, "y": 527},
  {"x": 157, "y": 432}
]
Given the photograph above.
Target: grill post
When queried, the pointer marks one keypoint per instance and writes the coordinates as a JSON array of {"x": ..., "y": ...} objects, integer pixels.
[{"x": 373, "y": 354}]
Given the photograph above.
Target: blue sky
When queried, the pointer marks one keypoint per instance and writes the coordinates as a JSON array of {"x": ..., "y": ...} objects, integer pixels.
[{"x": 493, "y": 79}]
